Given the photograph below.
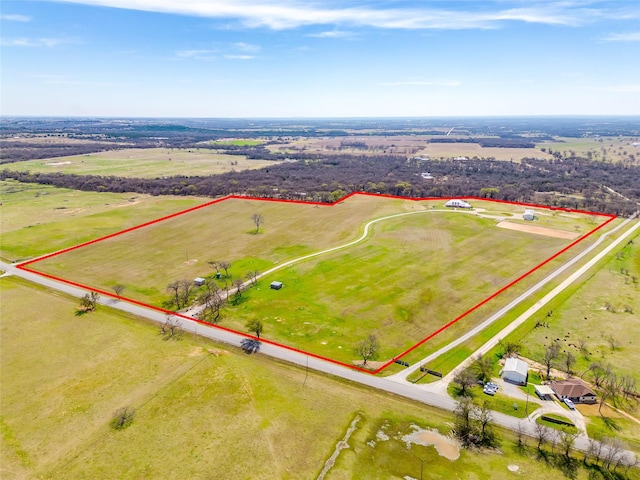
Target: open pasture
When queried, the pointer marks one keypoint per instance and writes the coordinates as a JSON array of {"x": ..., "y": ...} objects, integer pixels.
[
  {"x": 200, "y": 407},
  {"x": 413, "y": 273},
  {"x": 144, "y": 163},
  {"x": 613, "y": 149},
  {"x": 38, "y": 219}
]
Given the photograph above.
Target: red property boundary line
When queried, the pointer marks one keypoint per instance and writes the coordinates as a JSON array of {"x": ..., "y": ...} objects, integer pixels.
[{"x": 24, "y": 265}]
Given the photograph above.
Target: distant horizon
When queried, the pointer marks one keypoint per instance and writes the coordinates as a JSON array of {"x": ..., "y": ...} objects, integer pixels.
[
  {"x": 390, "y": 117},
  {"x": 326, "y": 59}
]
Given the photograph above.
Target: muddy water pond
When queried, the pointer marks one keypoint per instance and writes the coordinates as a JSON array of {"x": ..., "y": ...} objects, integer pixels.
[{"x": 445, "y": 446}]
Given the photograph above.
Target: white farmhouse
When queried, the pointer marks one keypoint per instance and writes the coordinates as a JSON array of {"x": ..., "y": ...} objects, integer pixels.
[{"x": 515, "y": 371}]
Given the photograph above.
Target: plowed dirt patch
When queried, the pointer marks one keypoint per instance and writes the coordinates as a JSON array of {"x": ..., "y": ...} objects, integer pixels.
[{"x": 548, "y": 232}]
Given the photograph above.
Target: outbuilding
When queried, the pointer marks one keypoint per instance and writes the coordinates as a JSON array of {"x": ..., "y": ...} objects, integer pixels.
[
  {"x": 276, "y": 285},
  {"x": 529, "y": 215},
  {"x": 198, "y": 282},
  {"x": 457, "y": 203},
  {"x": 545, "y": 392},
  {"x": 515, "y": 371}
]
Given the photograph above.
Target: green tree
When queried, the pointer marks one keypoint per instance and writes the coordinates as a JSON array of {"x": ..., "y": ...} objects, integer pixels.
[{"x": 255, "y": 326}]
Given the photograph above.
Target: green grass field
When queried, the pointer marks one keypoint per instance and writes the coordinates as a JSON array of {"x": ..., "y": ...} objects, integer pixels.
[
  {"x": 144, "y": 163},
  {"x": 39, "y": 219},
  {"x": 202, "y": 410},
  {"x": 412, "y": 275}
]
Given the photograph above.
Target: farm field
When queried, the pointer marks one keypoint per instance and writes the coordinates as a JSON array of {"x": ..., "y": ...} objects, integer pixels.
[
  {"x": 411, "y": 275},
  {"x": 606, "y": 305},
  {"x": 202, "y": 410},
  {"x": 39, "y": 219},
  {"x": 143, "y": 163},
  {"x": 406, "y": 145},
  {"x": 614, "y": 149}
]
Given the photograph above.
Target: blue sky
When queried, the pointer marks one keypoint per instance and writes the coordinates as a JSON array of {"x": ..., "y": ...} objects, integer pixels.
[{"x": 336, "y": 58}]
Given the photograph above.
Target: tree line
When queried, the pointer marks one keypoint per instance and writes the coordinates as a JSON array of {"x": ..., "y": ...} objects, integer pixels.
[{"x": 550, "y": 182}]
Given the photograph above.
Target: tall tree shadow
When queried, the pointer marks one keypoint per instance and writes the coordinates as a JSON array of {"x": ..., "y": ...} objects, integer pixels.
[{"x": 250, "y": 345}]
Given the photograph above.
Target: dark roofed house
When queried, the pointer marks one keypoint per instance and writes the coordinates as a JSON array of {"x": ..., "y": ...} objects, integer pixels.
[{"x": 575, "y": 390}]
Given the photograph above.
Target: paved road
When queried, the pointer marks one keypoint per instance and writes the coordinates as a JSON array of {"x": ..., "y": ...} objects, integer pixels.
[{"x": 421, "y": 393}]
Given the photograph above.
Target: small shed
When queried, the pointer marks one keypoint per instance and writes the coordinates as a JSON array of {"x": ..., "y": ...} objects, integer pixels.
[
  {"x": 515, "y": 371},
  {"x": 529, "y": 215},
  {"x": 276, "y": 285},
  {"x": 457, "y": 203},
  {"x": 545, "y": 392},
  {"x": 198, "y": 282}
]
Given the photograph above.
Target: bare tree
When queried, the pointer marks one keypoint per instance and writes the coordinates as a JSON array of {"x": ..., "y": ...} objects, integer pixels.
[
  {"x": 186, "y": 288},
  {"x": 368, "y": 349},
  {"x": 569, "y": 361},
  {"x": 172, "y": 328},
  {"x": 464, "y": 379},
  {"x": 551, "y": 352},
  {"x": 89, "y": 302},
  {"x": 252, "y": 276},
  {"x": 122, "y": 418},
  {"x": 225, "y": 265},
  {"x": 237, "y": 285},
  {"x": 215, "y": 265},
  {"x": 212, "y": 301},
  {"x": 541, "y": 435},
  {"x": 485, "y": 419},
  {"x": 118, "y": 289},
  {"x": 521, "y": 434},
  {"x": 255, "y": 326},
  {"x": 258, "y": 219},
  {"x": 174, "y": 288},
  {"x": 567, "y": 440}
]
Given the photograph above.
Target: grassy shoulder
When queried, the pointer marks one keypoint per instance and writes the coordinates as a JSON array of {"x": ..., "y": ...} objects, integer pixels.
[
  {"x": 202, "y": 408},
  {"x": 498, "y": 402}
]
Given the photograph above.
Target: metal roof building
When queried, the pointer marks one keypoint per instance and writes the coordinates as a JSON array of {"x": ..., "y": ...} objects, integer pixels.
[{"x": 515, "y": 371}]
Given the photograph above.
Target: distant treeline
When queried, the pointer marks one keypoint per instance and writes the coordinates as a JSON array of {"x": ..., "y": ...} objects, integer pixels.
[
  {"x": 489, "y": 142},
  {"x": 326, "y": 180}
]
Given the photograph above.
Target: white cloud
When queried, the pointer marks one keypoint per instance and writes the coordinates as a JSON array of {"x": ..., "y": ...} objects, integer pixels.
[
  {"x": 33, "y": 42},
  {"x": 15, "y": 18},
  {"x": 623, "y": 37},
  {"x": 333, "y": 34},
  {"x": 196, "y": 54},
  {"x": 285, "y": 14},
  {"x": 246, "y": 47},
  {"x": 239, "y": 57},
  {"x": 422, "y": 83}
]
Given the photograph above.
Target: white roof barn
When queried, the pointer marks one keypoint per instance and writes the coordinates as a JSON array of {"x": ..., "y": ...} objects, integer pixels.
[
  {"x": 457, "y": 203},
  {"x": 515, "y": 370}
]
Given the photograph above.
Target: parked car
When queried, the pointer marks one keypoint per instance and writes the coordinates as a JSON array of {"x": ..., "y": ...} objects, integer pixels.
[
  {"x": 569, "y": 404},
  {"x": 490, "y": 388}
]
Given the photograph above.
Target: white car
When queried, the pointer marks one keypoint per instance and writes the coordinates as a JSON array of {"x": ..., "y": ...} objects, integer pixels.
[{"x": 569, "y": 404}]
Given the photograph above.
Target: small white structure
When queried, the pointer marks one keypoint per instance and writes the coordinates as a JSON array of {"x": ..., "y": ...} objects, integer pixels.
[
  {"x": 456, "y": 203},
  {"x": 545, "y": 392},
  {"x": 515, "y": 371},
  {"x": 198, "y": 282},
  {"x": 528, "y": 215}
]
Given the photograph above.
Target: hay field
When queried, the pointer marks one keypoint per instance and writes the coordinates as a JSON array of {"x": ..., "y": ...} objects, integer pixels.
[
  {"x": 411, "y": 276},
  {"x": 144, "y": 163},
  {"x": 471, "y": 150},
  {"x": 38, "y": 219},
  {"x": 616, "y": 149},
  {"x": 198, "y": 414}
]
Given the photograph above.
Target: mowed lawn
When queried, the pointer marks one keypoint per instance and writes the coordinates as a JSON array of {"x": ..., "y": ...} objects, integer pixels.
[
  {"x": 38, "y": 219},
  {"x": 202, "y": 410},
  {"x": 144, "y": 163},
  {"x": 412, "y": 275}
]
